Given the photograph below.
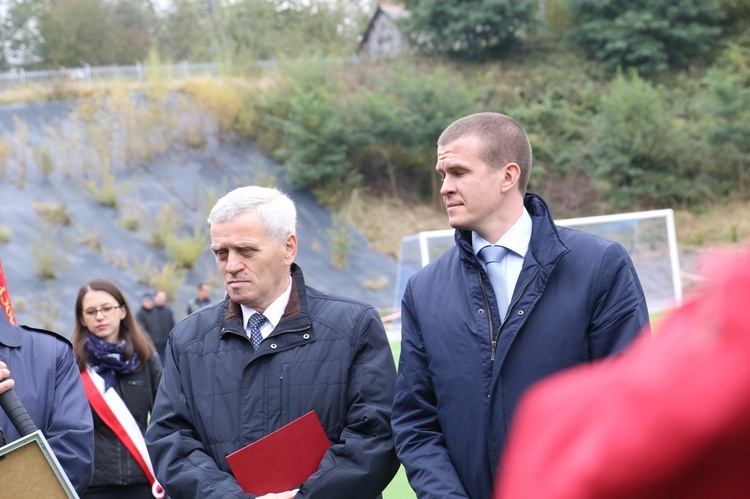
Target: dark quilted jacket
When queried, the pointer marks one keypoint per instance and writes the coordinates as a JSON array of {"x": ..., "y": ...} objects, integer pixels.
[{"x": 328, "y": 354}]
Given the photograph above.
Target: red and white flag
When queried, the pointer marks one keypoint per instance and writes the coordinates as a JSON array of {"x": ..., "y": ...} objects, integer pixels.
[{"x": 5, "y": 297}]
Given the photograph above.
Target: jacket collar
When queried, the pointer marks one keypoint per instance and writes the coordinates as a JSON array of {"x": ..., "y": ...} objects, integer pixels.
[
  {"x": 546, "y": 245},
  {"x": 9, "y": 332},
  {"x": 295, "y": 314}
]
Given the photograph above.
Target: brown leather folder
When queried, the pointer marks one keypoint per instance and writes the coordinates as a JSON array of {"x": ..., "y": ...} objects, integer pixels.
[{"x": 283, "y": 459}]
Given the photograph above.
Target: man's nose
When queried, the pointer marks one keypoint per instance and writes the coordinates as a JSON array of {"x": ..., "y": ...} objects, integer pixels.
[
  {"x": 447, "y": 186},
  {"x": 234, "y": 263}
]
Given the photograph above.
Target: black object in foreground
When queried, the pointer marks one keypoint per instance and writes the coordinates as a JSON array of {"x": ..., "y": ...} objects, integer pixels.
[{"x": 17, "y": 413}]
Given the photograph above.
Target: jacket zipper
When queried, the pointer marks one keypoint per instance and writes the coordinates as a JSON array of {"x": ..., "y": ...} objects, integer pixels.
[
  {"x": 494, "y": 338},
  {"x": 493, "y": 343}
]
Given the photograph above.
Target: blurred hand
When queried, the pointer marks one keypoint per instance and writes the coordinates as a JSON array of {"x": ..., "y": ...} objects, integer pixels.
[{"x": 7, "y": 384}]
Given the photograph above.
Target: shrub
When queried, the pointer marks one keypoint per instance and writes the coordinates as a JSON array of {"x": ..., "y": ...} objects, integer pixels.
[
  {"x": 131, "y": 223},
  {"x": 634, "y": 144},
  {"x": 471, "y": 29},
  {"x": 93, "y": 241},
  {"x": 335, "y": 128},
  {"x": 186, "y": 249},
  {"x": 340, "y": 242},
  {"x": 21, "y": 141},
  {"x": 55, "y": 214},
  {"x": 315, "y": 133},
  {"x": 47, "y": 261},
  {"x": 648, "y": 35},
  {"x": 103, "y": 190},
  {"x": 166, "y": 223},
  {"x": 44, "y": 162},
  {"x": 44, "y": 310},
  {"x": 221, "y": 100},
  {"x": 170, "y": 277},
  {"x": 6, "y": 150}
]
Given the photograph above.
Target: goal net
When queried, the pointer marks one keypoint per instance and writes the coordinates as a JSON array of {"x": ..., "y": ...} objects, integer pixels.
[{"x": 648, "y": 236}]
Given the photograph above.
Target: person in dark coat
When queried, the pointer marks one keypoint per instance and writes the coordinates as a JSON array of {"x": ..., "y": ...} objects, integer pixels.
[
  {"x": 227, "y": 384},
  {"x": 157, "y": 319},
  {"x": 570, "y": 298},
  {"x": 40, "y": 368},
  {"x": 121, "y": 362},
  {"x": 202, "y": 298}
]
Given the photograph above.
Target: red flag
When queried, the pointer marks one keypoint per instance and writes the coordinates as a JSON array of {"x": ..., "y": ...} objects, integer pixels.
[{"x": 5, "y": 297}]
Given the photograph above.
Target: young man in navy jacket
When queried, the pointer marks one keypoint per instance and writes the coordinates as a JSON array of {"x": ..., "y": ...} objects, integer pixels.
[{"x": 572, "y": 298}]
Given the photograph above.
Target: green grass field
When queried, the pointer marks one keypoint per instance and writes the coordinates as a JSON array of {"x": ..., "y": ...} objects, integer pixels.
[{"x": 399, "y": 487}]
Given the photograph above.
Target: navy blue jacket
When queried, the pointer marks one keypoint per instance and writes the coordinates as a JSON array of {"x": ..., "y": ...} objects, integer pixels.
[
  {"x": 217, "y": 395},
  {"x": 49, "y": 386},
  {"x": 577, "y": 299}
]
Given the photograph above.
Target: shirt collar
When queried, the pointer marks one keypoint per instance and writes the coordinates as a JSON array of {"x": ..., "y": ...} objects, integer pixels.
[
  {"x": 516, "y": 239},
  {"x": 274, "y": 311}
]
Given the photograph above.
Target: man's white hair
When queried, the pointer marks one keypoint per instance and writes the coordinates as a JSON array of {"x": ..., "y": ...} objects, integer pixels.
[{"x": 275, "y": 209}]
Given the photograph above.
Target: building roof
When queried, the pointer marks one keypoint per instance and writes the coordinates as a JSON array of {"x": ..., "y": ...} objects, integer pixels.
[{"x": 392, "y": 10}]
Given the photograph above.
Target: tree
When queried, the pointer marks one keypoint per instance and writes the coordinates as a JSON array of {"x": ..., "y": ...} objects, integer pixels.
[
  {"x": 727, "y": 107},
  {"x": 266, "y": 29},
  {"x": 648, "y": 35},
  {"x": 477, "y": 29},
  {"x": 20, "y": 34},
  {"x": 635, "y": 149},
  {"x": 41, "y": 33},
  {"x": 189, "y": 31},
  {"x": 69, "y": 38}
]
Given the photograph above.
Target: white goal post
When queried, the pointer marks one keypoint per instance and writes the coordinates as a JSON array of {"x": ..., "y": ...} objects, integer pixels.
[{"x": 648, "y": 236}]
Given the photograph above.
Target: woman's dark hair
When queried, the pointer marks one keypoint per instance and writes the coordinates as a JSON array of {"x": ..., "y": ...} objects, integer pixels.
[{"x": 136, "y": 340}]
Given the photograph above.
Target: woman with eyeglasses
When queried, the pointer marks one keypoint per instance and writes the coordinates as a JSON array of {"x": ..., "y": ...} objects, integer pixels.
[{"x": 120, "y": 371}]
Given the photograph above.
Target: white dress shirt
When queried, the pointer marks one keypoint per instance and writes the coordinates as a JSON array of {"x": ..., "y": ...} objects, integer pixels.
[
  {"x": 273, "y": 313},
  {"x": 517, "y": 240}
]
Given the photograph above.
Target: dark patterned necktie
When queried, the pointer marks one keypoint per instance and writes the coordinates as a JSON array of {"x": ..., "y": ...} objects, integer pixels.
[{"x": 254, "y": 323}]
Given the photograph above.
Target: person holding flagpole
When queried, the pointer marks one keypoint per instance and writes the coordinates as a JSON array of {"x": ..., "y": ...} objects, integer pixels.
[
  {"x": 39, "y": 366},
  {"x": 121, "y": 372}
]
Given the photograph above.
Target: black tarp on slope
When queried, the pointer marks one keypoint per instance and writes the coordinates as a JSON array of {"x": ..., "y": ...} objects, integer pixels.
[{"x": 187, "y": 179}]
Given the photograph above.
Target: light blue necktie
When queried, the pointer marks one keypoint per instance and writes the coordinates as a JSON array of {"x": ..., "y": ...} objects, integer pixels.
[
  {"x": 493, "y": 257},
  {"x": 254, "y": 323}
]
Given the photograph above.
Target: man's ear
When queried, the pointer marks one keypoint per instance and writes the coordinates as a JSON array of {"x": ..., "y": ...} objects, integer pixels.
[
  {"x": 511, "y": 175},
  {"x": 290, "y": 247}
]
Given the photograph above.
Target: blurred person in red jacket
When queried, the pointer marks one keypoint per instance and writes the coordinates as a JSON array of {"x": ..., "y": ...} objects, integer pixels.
[{"x": 669, "y": 418}]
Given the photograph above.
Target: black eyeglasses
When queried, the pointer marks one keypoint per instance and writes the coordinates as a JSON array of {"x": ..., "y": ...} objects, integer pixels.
[{"x": 106, "y": 311}]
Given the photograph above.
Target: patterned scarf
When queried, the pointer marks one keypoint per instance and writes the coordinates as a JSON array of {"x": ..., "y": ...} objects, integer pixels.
[{"x": 108, "y": 359}]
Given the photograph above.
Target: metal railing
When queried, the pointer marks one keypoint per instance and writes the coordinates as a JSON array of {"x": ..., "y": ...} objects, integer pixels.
[{"x": 138, "y": 72}]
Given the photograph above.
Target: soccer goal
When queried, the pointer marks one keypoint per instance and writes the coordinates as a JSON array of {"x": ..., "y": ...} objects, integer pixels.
[{"x": 648, "y": 236}]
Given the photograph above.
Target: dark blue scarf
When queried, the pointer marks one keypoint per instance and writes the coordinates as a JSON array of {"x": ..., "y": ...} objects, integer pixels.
[{"x": 108, "y": 359}]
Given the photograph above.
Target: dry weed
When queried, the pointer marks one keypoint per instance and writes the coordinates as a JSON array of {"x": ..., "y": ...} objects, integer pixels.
[
  {"x": 718, "y": 225},
  {"x": 385, "y": 221}
]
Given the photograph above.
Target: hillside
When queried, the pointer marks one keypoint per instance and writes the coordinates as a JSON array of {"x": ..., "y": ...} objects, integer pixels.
[{"x": 96, "y": 241}]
